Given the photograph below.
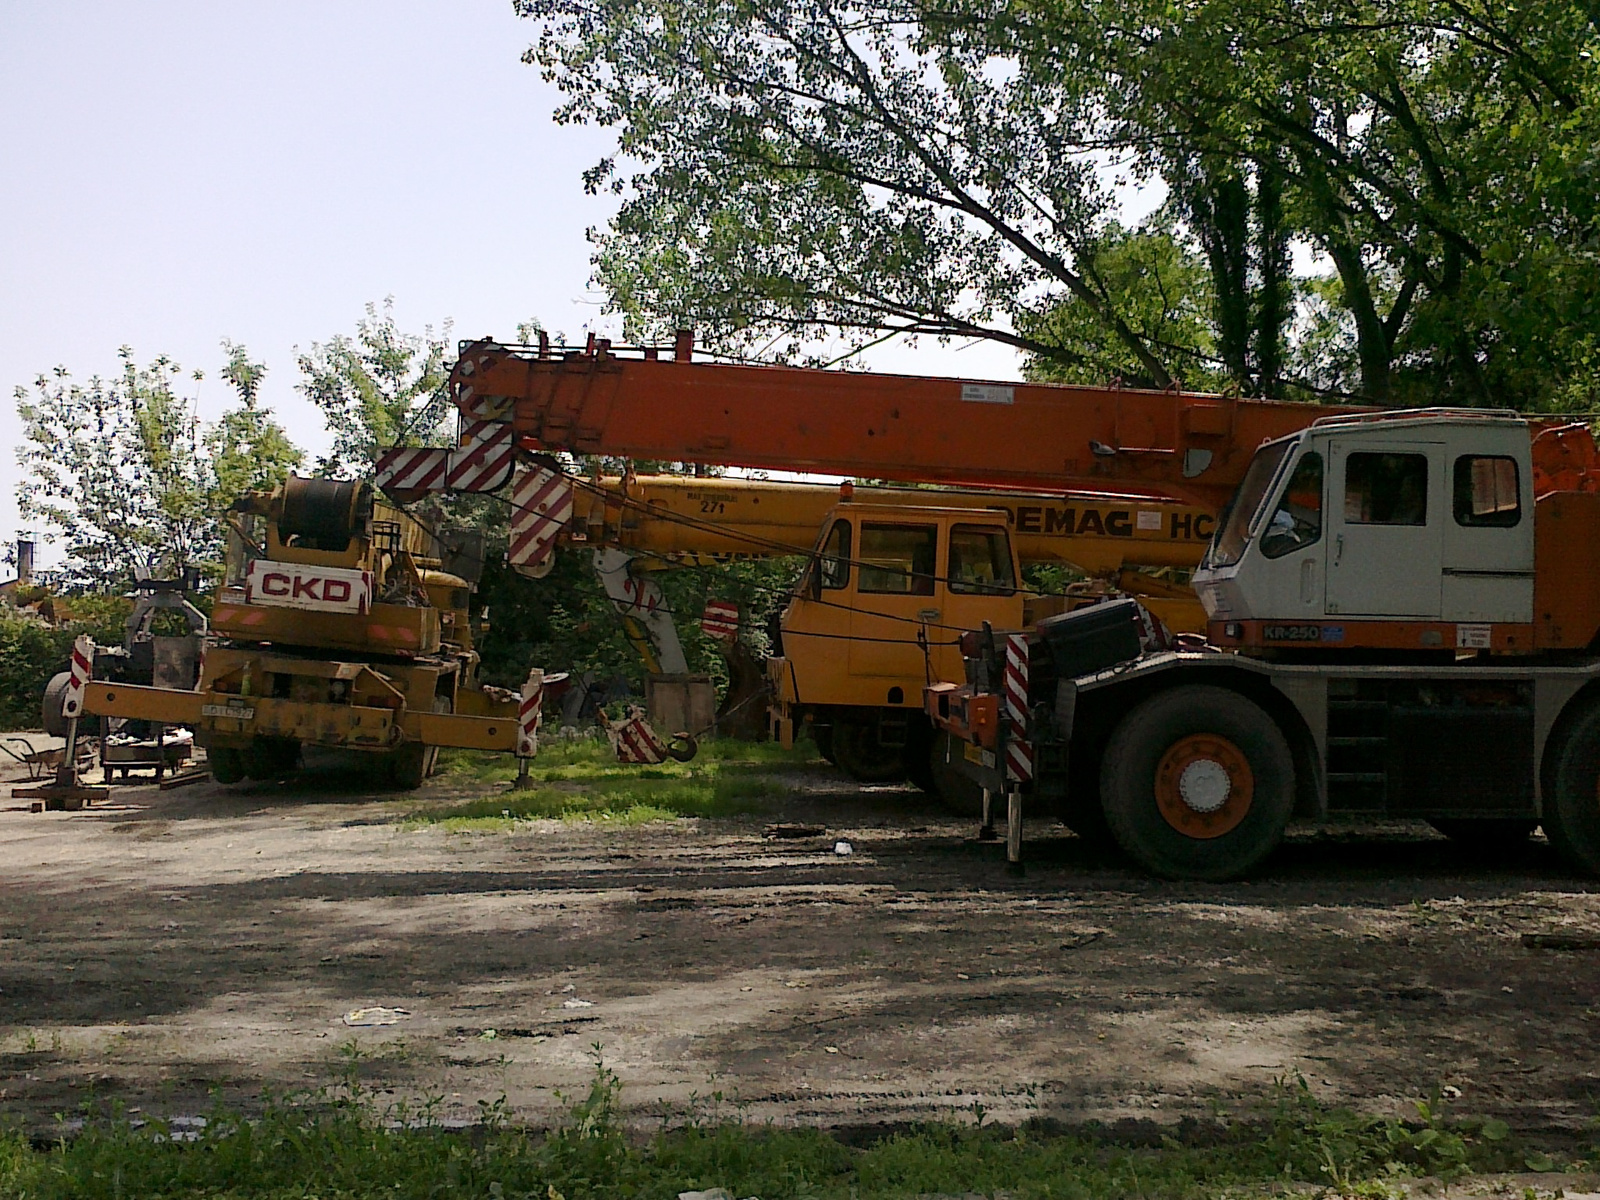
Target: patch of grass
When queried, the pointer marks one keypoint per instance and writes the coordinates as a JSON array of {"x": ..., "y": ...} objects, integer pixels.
[
  {"x": 342, "y": 1144},
  {"x": 645, "y": 794},
  {"x": 563, "y": 761}
]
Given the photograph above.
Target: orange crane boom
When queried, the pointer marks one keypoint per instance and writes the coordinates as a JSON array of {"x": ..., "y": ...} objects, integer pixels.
[{"x": 1044, "y": 437}]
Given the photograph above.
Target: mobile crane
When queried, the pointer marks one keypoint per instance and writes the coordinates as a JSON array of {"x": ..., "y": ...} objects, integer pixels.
[
  {"x": 1404, "y": 608},
  {"x": 337, "y": 625},
  {"x": 854, "y": 664},
  {"x": 1404, "y": 621},
  {"x": 858, "y": 649}
]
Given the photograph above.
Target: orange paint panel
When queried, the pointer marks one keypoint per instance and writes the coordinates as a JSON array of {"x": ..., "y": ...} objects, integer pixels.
[{"x": 1566, "y": 570}]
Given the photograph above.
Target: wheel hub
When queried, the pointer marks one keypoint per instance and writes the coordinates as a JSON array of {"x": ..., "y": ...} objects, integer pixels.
[{"x": 1204, "y": 786}]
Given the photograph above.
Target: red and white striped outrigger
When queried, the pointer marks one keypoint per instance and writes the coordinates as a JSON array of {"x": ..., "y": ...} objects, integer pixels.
[{"x": 541, "y": 500}]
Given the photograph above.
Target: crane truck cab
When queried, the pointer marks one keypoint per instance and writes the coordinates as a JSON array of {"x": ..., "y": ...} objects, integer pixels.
[
  {"x": 1404, "y": 619},
  {"x": 1403, "y": 532},
  {"x": 883, "y": 601}
]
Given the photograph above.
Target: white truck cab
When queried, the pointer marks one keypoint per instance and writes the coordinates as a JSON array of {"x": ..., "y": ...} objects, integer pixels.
[{"x": 1420, "y": 517}]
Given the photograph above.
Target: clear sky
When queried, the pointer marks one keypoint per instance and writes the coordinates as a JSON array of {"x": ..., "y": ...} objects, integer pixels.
[{"x": 179, "y": 173}]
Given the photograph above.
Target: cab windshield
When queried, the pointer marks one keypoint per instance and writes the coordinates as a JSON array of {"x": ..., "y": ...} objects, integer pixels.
[{"x": 1233, "y": 530}]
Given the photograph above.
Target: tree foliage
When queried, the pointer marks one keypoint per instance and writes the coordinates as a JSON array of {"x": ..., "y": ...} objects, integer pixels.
[
  {"x": 867, "y": 165},
  {"x": 125, "y": 474},
  {"x": 382, "y": 387}
]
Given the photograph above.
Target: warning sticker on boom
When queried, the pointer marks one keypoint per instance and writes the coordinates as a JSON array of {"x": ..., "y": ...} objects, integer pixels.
[{"x": 987, "y": 393}]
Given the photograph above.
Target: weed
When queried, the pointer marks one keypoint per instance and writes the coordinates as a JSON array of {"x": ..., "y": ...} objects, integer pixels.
[{"x": 342, "y": 1142}]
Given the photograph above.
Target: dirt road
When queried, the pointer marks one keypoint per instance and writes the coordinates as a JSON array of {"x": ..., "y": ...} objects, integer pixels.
[{"x": 211, "y": 937}]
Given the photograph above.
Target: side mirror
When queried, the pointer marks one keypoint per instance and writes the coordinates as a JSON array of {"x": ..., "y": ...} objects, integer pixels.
[{"x": 814, "y": 579}]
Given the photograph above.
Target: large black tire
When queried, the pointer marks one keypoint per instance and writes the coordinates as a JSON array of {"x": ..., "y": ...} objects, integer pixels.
[
  {"x": 226, "y": 762},
  {"x": 1572, "y": 800},
  {"x": 55, "y": 692},
  {"x": 917, "y": 754},
  {"x": 407, "y": 767},
  {"x": 822, "y": 735},
  {"x": 860, "y": 755},
  {"x": 1198, "y": 783},
  {"x": 270, "y": 757},
  {"x": 1486, "y": 835},
  {"x": 412, "y": 765}
]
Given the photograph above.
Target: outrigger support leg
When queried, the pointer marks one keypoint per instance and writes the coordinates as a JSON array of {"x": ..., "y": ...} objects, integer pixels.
[
  {"x": 68, "y": 792},
  {"x": 1014, "y": 832},
  {"x": 986, "y": 831}
]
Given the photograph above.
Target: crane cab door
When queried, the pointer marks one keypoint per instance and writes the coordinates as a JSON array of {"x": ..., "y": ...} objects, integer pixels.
[
  {"x": 1488, "y": 532},
  {"x": 1388, "y": 502},
  {"x": 897, "y": 593},
  {"x": 934, "y": 578},
  {"x": 980, "y": 584}
]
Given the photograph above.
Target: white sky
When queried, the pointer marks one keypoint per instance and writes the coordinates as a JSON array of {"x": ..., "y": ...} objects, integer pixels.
[{"x": 179, "y": 173}]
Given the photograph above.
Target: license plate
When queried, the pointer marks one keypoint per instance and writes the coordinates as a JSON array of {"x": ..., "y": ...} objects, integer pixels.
[{"x": 230, "y": 711}]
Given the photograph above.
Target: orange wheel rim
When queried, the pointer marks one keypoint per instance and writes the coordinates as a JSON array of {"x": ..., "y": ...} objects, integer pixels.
[{"x": 1204, "y": 786}]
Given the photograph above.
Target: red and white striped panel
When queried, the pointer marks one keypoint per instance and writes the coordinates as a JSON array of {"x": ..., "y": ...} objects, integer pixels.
[
  {"x": 1153, "y": 632},
  {"x": 402, "y": 470},
  {"x": 541, "y": 506},
  {"x": 1019, "y": 750},
  {"x": 483, "y": 408},
  {"x": 528, "y": 714},
  {"x": 484, "y": 460},
  {"x": 79, "y": 669},
  {"x": 720, "y": 620},
  {"x": 634, "y": 741}
]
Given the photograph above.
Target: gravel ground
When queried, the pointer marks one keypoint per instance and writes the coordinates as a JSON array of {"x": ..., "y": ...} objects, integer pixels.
[{"x": 169, "y": 944}]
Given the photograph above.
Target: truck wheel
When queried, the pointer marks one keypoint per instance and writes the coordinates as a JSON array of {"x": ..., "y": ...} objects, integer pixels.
[
  {"x": 1572, "y": 804},
  {"x": 55, "y": 693},
  {"x": 917, "y": 755},
  {"x": 1486, "y": 835},
  {"x": 860, "y": 755},
  {"x": 407, "y": 767},
  {"x": 226, "y": 762},
  {"x": 822, "y": 735},
  {"x": 270, "y": 757},
  {"x": 410, "y": 766},
  {"x": 1198, "y": 783}
]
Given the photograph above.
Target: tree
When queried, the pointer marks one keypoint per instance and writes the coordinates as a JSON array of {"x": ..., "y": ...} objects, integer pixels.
[
  {"x": 249, "y": 451},
  {"x": 832, "y": 166},
  {"x": 129, "y": 478},
  {"x": 1429, "y": 149},
  {"x": 383, "y": 387},
  {"x": 1164, "y": 289},
  {"x": 869, "y": 167}
]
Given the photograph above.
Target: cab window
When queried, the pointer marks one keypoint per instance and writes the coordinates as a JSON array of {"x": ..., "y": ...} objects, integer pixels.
[
  {"x": 835, "y": 562},
  {"x": 1487, "y": 491},
  {"x": 1297, "y": 521},
  {"x": 1386, "y": 489},
  {"x": 980, "y": 561},
  {"x": 898, "y": 559},
  {"x": 1236, "y": 519}
]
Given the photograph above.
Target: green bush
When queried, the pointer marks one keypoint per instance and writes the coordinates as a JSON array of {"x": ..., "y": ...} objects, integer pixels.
[{"x": 31, "y": 651}]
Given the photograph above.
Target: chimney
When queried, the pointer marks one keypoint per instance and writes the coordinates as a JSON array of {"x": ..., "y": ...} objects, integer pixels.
[{"x": 24, "y": 561}]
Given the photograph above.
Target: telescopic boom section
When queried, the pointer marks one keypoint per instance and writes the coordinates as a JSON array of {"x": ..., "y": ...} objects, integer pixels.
[{"x": 909, "y": 428}]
